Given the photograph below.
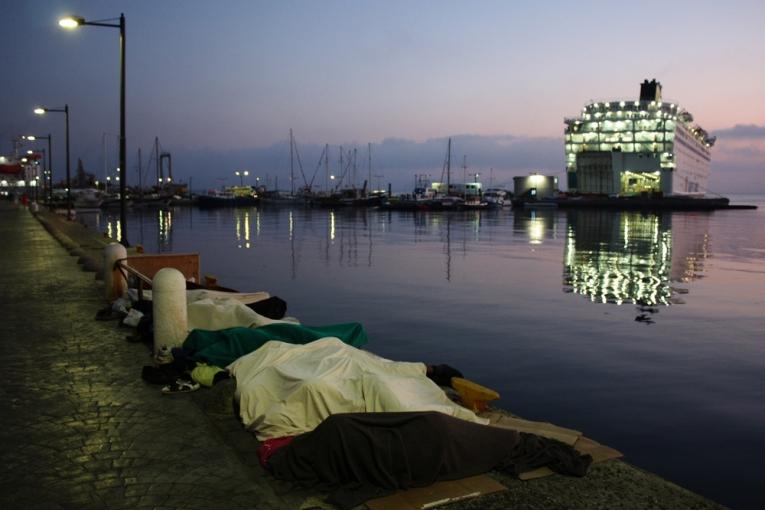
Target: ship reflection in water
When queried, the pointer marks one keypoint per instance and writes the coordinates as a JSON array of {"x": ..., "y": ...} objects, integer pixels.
[{"x": 631, "y": 257}]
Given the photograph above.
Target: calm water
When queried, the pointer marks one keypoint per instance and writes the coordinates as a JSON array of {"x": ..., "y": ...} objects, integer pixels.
[{"x": 646, "y": 332}]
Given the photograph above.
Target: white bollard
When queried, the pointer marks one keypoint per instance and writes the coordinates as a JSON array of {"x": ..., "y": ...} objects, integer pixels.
[
  {"x": 168, "y": 295},
  {"x": 115, "y": 284}
]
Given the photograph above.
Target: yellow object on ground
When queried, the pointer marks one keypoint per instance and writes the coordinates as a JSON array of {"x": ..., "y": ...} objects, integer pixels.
[
  {"x": 204, "y": 374},
  {"x": 473, "y": 395}
]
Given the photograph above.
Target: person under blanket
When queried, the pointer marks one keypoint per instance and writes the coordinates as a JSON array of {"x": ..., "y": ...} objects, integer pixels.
[
  {"x": 284, "y": 389},
  {"x": 223, "y": 347},
  {"x": 360, "y": 456}
]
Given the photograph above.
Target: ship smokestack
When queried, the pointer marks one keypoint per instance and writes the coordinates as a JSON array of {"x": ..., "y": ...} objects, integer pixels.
[{"x": 650, "y": 91}]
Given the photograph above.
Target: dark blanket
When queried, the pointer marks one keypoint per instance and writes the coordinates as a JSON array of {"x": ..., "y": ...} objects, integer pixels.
[
  {"x": 222, "y": 347},
  {"x": 360, "y": 456}
]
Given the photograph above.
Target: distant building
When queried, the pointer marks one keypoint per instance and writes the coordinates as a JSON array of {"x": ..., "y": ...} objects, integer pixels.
[
  {"x": 631, "y": 147},
  {"x": 535, "y": 187},
  {"x": 18, "y": 175}
]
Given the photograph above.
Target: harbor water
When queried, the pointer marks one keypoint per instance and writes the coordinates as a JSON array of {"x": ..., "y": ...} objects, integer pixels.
[{"x": 645, "y": 331}]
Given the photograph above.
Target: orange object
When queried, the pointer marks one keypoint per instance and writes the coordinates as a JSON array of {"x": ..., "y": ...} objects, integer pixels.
[
  {"x": 148, "y": 265},
  {"x": 473, "y": 395}
]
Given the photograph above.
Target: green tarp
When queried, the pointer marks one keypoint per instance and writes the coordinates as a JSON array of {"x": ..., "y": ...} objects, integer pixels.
[{"x": 222, "y": 347}]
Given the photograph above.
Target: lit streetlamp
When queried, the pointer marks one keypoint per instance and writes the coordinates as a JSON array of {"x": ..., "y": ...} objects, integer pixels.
[
  {"x": 41, "y": 110},
  {"x": 74, "y": 22},
  {"x": 241, "y": 174}
]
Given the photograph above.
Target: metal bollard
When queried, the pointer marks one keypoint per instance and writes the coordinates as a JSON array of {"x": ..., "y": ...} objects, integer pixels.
[
  {"x": 169, "y": 311},
  {"x": 115, "y": 284}
]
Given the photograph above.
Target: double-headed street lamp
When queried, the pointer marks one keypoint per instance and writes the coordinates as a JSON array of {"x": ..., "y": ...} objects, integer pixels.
[
  {"x": 41, "y": 110},
  {"x": 241, "y": 174},
  {"x": 33, "y": 138},
  {"x": 74, "y": 22}
]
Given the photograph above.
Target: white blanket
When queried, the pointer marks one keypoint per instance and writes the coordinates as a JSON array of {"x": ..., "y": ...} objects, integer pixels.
[
  {"x": 198, "y": 294},
  {"x": 216, "y": 314},
  {"x": 286, "y": 389},
  {"x": 215, "y": 310}
]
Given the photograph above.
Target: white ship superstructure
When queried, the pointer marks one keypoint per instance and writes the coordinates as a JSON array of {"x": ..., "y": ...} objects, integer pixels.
[{"x": 631, "y": 147}]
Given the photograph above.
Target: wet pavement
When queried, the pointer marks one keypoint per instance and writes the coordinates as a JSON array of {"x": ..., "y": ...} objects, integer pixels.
[{"x": 80, "y": 429}]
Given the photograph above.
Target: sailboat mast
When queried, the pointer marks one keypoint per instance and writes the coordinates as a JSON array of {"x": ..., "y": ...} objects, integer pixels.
[
  {"x": 341, "y": 166},
  {"x": 103, "y": 146},
  {"x": 292, "y": 165},
  {"x": 159, "y": 166},
  {"x": 369, "y": 150},
  {"x": 449, "y": 167},
  {"x": 354, "y": 168},
  {"x": 140, "y": 174},
  {"x": 326, "y": 165},
  {"x": 464, "y": 175}
]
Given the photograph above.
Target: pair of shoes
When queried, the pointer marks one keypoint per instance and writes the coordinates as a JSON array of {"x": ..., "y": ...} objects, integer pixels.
[{"x": 180, "y": 386}]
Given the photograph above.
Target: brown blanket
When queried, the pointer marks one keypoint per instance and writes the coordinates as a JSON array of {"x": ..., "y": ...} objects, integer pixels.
[{"x": 360, "y": 456}]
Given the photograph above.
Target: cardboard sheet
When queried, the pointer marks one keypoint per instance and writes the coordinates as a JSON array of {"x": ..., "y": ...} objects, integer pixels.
[
  {"x": 544, "y": 429},
  {"x": 572, "y": 437},
  {"x": 440, "y": 493}
]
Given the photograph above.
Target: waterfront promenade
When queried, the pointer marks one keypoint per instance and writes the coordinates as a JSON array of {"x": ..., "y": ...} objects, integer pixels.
[{"x": 80, "y": 429}]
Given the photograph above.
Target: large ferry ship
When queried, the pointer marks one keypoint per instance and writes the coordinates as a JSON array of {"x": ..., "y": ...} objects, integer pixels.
[{"x": 624, "y": 148}]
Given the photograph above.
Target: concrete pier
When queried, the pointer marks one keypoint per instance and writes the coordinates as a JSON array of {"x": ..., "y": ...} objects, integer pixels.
[{"x": 80, "y": 429}]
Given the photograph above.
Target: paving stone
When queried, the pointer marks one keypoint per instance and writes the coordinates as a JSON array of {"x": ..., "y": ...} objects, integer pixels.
[{"x": 79, "y": 429}]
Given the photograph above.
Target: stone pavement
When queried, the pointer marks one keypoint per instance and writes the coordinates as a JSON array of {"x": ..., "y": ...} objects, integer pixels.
[
  {"x": 78, "y": 426},
  {"x": 80, "y": 429}
]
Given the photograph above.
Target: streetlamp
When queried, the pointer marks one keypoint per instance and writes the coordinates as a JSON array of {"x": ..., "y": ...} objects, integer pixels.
[
  {"x": 241, "y": 174},
  {"x": 37, "y": 173},
  {"x": 33, "y": 138},
  {"x": 74, "y": 22},
  {"x": 41, "y": 110}
]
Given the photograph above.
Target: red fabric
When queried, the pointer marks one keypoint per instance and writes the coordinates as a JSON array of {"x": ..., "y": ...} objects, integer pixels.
[{"x": 269, "y": 447}]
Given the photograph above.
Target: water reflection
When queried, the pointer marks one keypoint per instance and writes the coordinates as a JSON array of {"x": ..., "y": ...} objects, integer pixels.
[
  {"x": 242, "y": 226},
  {"x": 165, "y": 229},
  {"x": 631, "y": 257},
  {"x": 536, "y": 225}
]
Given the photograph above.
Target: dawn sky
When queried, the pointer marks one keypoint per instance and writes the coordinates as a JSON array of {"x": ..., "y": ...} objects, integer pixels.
[{"x": 221, "y": 83}]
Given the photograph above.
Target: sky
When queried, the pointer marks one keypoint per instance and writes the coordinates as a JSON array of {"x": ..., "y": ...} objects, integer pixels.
[{"x": 222, "y": 83}]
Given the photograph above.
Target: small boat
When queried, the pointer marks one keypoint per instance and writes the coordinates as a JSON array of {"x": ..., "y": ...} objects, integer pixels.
[
  {"x": 86, "y": 198},
  {"x": 229, "y": 197},
  {"x": 495, "y": 198}
]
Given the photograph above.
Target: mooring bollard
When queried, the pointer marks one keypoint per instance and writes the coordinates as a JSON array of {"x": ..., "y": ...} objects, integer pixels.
[
  {"x": 115, "y": 283},
  {"x": 168, "y": 295}
]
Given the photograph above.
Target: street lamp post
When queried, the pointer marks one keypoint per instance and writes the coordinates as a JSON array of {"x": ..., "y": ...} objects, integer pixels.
[
  {"x": 37, "y": 175},
  {"x": 33, "y": 138},
  {"x": 41, "y": 110},
  {"x": 241, "y": 174},
  {"x": 74, "y": 22}
]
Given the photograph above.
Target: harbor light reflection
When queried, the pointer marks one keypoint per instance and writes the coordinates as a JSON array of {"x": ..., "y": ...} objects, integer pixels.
[
  {"x": 164, "y": 227},
  {"x": 631, "y": 257},
  {"x": 242, "y": 227}
]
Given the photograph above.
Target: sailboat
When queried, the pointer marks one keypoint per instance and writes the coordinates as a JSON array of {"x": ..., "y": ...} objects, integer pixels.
[
  {"x": 351, "y": 196},
  {"x": 446, "y": 199},
  {"x": 303, "y": 196}
]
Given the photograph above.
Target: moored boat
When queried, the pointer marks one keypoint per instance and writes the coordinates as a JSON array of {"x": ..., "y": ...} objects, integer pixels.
[{"x": 229, "y": 197}]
